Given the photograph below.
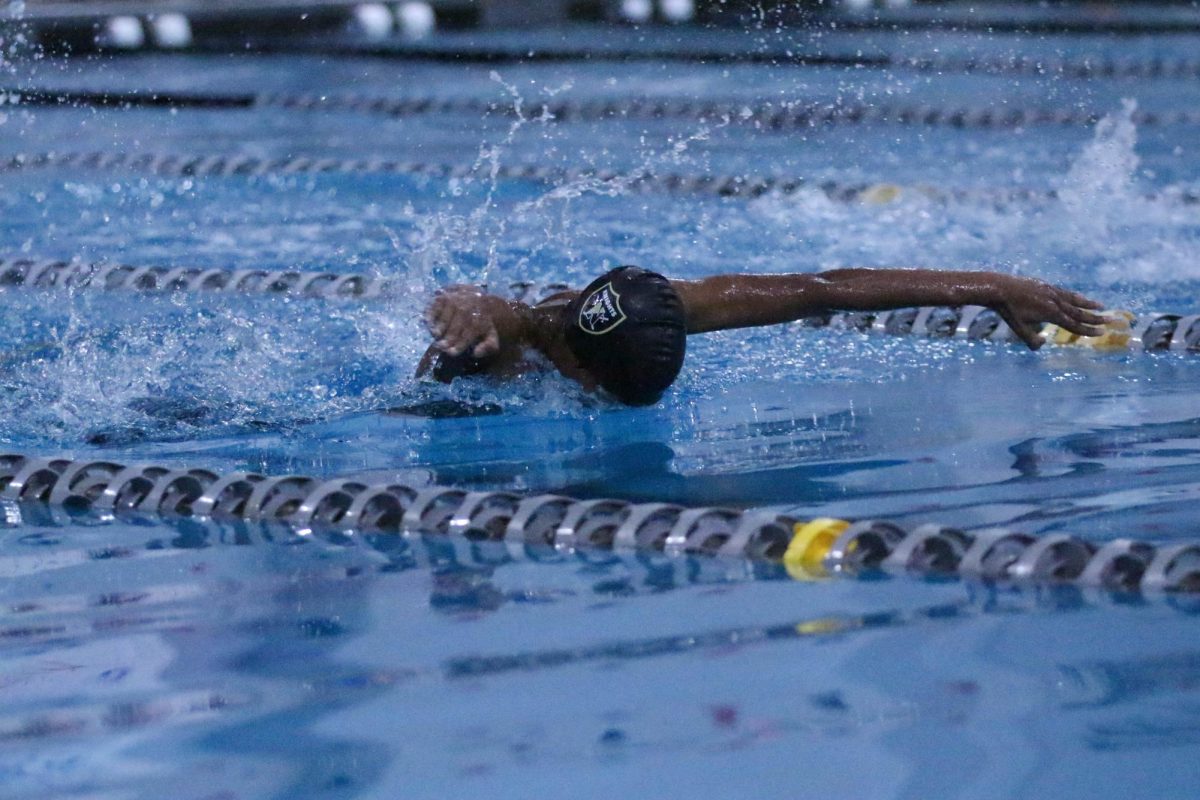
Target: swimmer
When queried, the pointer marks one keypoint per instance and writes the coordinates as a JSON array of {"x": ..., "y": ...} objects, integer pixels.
[{"x": 626, "y": 333}]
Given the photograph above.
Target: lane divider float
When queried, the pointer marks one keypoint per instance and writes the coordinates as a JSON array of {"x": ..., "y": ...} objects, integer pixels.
[
  {"x": 1150, "y": 332},
  {"x": 58, "y": 274},
  {"x": 809, "y": 549},
  {"x": 77, "y": 275},
  {"x": 744, "y": 186},
  {"x": 1088, "y": 68},
  {"x": 1155, "y": 331},
  {"x": 769, "y": 116}
]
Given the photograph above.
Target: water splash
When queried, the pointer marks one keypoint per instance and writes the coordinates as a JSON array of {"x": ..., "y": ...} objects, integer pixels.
[
  {"x": 1106, "y": 226},
  {"x": 447, "y": 244},
  {"x": 9, "y": 43},
  {"x": 111, "y": 369},
  {"x": 14, "y": 37},
  {"x": 1101, "y": 182},
  {"x": 1132, "y": 234},
  {"x": 497, "y": 241}
]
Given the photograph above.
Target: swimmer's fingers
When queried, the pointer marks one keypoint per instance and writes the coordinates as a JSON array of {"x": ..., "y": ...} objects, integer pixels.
[
  {"x": 1026, "y": 303},
  {"x": 480, "y": 336},
  {"x": 452, "y": 320},
  {"x": 1080, "y": 328},
  {"x": 447, "y": 304},
  {"x": 489, "y": 345},
  {"x": 462, "y": 319},
  {"x": 1085, "y": 317},
  {"x": 459, "y": 333},
  {"x": 470, "y": 330},
  {"x": 1077, "y": 307},
  {"x": 1081, "y": 301},
  {"x": 1079, "y": 321},
  {"x": 438, "y": 315},
  {"x": 1026, "y": 332}
]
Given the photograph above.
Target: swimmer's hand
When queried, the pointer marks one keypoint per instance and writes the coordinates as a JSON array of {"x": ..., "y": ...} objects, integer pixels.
[
  {"x": 465, "y": 319},
  {"x": 488, "y": 333},
  {"x": 468, "y": 324},
  {"x": 1026, "y": 303}
]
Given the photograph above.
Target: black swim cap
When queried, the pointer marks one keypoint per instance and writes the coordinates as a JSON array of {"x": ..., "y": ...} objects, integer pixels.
[{"x": 628, "y": 329}]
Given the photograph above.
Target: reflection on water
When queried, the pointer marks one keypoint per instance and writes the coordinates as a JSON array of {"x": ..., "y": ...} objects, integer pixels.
[{"x": 138, "y": 655}]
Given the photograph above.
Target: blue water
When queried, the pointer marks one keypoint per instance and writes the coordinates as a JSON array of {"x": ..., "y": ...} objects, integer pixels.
[{"x": 146, "y": 659}]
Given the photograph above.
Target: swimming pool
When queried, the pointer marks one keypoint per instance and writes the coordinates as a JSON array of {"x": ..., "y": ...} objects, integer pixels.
[{"x": 148, "y": 657}]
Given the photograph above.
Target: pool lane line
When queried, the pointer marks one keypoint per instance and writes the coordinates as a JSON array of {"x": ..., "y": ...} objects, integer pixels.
[
  {"x": 745, "y": 186},
  {"x": 1155, "y": 331},
  {"x": 982, "y": 600},
  {"x": 1150, "y": 332},
  {"x": 808, "y": 549},
  {"x": 721, "y": 639},
  {"x": 416, "y": 52},
  {"x": 58, "y": 274},
  {"x": 769, "y": 116},
  {"x": 1099, "y": 67},
  {"x": 121, "y": 99}
]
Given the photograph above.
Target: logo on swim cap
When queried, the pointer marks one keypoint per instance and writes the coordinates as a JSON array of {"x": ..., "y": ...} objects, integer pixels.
[{"x": 601, "y": 311}]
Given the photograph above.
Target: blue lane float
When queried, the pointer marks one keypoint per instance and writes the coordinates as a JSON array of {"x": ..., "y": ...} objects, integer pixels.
[{"x": 808, "y": 549}]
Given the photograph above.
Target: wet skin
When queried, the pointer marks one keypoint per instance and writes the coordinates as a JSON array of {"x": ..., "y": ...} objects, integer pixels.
[{"x": 499, "y": 332}]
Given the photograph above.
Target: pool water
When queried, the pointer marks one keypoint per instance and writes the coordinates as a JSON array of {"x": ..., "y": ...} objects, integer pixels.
[{"x": 152, "y": 658}]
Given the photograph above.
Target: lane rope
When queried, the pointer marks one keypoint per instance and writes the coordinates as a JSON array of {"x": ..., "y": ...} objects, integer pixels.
[
  {"x": 1089, "y": 67},
  {"x": 1155, "y": 331},
  {"x": 32, "y": 273},
  {"x": 50, "y": 274},
  {"x": 769, "y": 116},
  {"x": 808, "y": 549},
  {"x": 1150, "y": 332},
  {"x": 751, "y": 186}
]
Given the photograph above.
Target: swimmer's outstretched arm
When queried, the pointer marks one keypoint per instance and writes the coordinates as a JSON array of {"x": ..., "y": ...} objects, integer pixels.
[{"x": 740, "y": 301}]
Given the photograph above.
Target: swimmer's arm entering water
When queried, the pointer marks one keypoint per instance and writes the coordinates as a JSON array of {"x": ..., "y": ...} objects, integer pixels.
[
  {"x": 476, "y": 332},
  {"x": 741, "y": 301}
]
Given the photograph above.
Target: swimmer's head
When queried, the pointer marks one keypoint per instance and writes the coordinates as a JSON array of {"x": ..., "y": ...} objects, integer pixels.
[{"x": 627, "y": 328}]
